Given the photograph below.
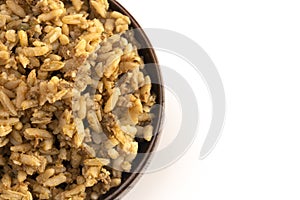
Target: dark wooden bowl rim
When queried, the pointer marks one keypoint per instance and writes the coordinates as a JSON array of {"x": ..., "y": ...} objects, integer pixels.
[{"x": 130, "y": 179}]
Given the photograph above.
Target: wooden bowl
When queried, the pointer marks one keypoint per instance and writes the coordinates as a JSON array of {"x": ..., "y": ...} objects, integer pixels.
[{"x": 153, "y": 70}]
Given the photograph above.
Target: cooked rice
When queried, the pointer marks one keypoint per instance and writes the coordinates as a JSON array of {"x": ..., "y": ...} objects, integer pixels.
[{"x": 73, "y": 97}]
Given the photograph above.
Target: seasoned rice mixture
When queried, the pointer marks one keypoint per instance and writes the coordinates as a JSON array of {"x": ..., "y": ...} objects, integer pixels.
[{"x": 73, "y": 98}]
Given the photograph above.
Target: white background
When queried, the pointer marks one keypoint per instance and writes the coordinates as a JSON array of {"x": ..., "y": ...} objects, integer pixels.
[{"x": 256, "y": 48}]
